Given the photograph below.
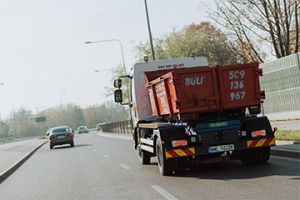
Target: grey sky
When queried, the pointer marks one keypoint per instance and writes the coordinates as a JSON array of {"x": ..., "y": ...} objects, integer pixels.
[{"x": 43, "y": 58}]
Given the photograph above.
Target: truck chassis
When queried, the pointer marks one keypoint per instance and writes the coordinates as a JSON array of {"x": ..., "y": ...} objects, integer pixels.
[{"x": 174, "y": 144}]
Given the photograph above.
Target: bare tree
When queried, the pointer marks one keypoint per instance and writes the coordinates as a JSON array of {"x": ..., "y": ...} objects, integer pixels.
[{"x": 252, "y": 24}]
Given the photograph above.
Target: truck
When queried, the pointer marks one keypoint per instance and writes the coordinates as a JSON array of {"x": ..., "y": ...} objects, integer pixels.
[{"x": 184, "y": 110}]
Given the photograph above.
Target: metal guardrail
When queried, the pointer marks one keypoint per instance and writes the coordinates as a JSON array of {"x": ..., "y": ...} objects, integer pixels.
[{"x": 123, "y": 127}]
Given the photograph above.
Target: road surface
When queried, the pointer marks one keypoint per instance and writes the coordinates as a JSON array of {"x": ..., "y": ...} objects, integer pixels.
[{"x": 108, "y": 168}]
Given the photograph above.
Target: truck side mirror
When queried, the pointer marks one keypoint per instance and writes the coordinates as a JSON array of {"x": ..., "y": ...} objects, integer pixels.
[
  {"x": 118, "y": 96},
  {"x": 118, "y": 83}
]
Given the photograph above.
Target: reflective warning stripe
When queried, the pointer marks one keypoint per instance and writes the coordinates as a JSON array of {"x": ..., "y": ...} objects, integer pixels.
[
  {"x": 260, "y": 143},
  {"x": 180, "y": 152}
]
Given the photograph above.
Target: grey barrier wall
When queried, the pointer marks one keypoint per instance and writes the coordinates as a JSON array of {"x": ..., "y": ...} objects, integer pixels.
[
  {"x": 123, "y": 127},
  {"x": 281, "y": 83}
]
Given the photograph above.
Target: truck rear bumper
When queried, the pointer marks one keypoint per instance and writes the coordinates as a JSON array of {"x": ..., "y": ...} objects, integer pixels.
[{"x": 201, "y": 150}]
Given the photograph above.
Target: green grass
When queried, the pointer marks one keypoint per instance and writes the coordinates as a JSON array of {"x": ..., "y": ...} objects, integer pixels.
[{"x": 288, "y": 135}]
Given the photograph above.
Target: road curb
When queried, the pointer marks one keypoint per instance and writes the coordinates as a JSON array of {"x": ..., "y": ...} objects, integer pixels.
[
  {"x": 4, "y": 175},
  {"x": 285, "y": 153}
]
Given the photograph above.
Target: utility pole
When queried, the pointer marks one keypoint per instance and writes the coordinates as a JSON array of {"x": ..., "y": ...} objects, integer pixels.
[{"x": 149, "y": 30}]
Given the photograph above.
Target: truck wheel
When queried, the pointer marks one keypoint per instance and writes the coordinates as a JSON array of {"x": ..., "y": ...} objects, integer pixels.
[
  {"x": 255, "y": 156},
  {"x": 165, "y": 166},
  {"x": 51, "y": 146},
  {"x": 264, "y": 154},
  {"x": 144, "y": 157}
]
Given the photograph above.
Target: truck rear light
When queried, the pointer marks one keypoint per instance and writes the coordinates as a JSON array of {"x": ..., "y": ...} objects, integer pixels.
[
  {"x": 179, "y": 143},
  {"x": 258, "y": 133}
]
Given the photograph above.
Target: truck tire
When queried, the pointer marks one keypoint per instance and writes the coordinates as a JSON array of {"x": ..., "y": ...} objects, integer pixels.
[
  {"x": 51, "y": 146},
  {"x": 145, "y": 157},
  {"x": 264, "y": 154},
  {"x": 255, "y": 156},
  {"x": 165, "y": 166}
]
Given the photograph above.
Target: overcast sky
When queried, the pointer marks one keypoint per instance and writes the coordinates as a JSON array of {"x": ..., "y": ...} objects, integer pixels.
[{"x": 43, "y": 57}]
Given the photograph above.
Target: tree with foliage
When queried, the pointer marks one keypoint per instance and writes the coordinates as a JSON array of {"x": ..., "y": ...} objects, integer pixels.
[
  {"x": 109, "y": 112},
  {"x": 4, "y": 129},
  {"x": 253, "y": 24},
  {"x": 69, "y": 115},
  {"x": 21, "y": 124},
  {"x": 199, "y": 39}
]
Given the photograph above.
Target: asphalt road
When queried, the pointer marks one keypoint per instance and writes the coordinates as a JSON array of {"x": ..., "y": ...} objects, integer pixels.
[
  {"x": 10, "y": 153},
  {"x": 108, "y": 168}
]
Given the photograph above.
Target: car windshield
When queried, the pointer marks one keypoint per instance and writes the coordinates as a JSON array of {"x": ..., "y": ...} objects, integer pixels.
[{"x": 60, "y": 130}]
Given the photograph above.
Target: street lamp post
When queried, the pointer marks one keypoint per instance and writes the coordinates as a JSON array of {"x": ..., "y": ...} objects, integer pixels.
[
  {"x": 149, "y": 30},
  {"x": 123, "y": 61},
  {"x": 112, "y": 40}
]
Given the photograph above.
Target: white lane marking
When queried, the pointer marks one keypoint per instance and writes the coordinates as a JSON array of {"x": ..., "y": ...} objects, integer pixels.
[
  {"x": 163, "y": 192},
  {"x": 106, "y": 156},
  {"x": 125, "y": 166},
  {"x": 94, "y": 150}
]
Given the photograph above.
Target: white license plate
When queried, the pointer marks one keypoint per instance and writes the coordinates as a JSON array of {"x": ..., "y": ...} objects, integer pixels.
[
  {"x": 60, "y": 137},
  {"x": 221, "y": 148}
]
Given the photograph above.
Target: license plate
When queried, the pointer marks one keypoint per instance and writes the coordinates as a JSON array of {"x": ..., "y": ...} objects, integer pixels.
[
  {"x": 221, "y": 148},
  {"x": 61, "y": 137}
]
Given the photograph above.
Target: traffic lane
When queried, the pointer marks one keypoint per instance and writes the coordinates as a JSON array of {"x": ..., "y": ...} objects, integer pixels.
[
  {"x": 81, "y": 172},
  {"x": 223, "y": 180},
  {"x": 232, "y": 178},
  {"x": 111, "y": 170},
  {"x": 10, "y": 153},
  {"x": 278, "y": 179}
]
